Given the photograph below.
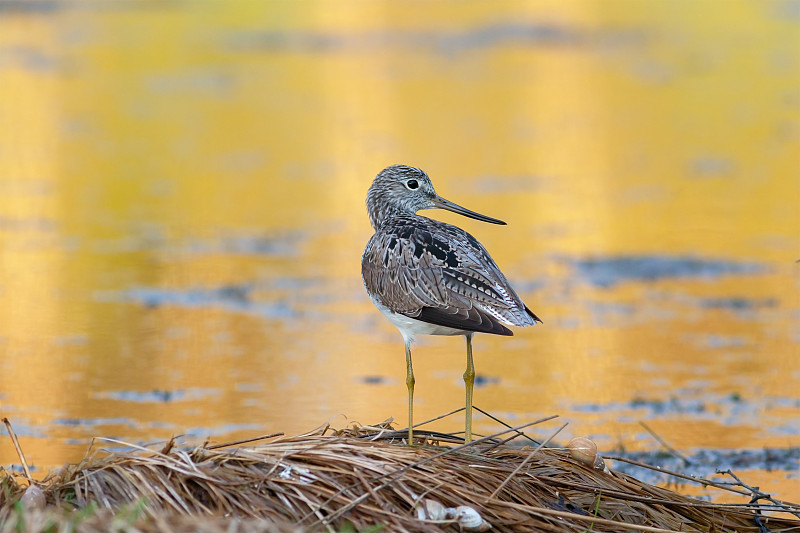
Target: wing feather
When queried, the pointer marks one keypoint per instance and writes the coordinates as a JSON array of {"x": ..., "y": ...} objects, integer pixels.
[
  {"x": 440, "y": 274},
  {"x": 466, "y": 319}
]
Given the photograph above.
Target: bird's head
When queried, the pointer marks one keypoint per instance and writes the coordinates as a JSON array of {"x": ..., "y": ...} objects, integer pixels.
[{"x": 400, "y": 189}]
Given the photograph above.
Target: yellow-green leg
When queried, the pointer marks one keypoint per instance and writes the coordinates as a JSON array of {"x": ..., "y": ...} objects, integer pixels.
[
  {"x": 410, "y": 385},
  {"x": 469, "y": 381}
]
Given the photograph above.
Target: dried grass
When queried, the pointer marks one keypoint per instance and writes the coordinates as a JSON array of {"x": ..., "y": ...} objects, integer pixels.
[{"x": 361, "y": 479}]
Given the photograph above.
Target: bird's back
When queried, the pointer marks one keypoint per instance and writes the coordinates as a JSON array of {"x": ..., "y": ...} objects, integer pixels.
[{"x": 440, "y": 274}]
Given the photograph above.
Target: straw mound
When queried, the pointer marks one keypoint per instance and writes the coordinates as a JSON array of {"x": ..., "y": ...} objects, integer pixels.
[{"x": 360, "y": 481}]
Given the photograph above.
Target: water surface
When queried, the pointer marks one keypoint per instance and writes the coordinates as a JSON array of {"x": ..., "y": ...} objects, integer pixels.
[{"x": 183, "y": 218}]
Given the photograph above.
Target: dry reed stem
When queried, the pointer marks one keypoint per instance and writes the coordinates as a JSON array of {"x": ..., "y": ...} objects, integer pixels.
[
  {"x": 525, "y": 462},
  {"x": 360, "y": 477},
  {"x": 15, "y": 442}
]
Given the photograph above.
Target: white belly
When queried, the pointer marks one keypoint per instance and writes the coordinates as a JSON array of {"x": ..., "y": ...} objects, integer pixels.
[{"x": 410, "y": 327}]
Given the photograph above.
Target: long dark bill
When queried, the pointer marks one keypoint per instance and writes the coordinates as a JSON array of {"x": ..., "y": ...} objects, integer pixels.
[{"x": 441, "y": 203}]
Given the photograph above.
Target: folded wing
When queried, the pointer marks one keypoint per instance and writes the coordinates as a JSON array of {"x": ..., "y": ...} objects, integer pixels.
[{"x": 438, "y": 273}]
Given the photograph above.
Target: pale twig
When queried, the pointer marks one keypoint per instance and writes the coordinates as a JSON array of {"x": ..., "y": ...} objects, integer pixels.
[
  {"x": 21, "y": 455},
  {"x": 243, "y": 441},
  {"x": 584, "y": 518},
  {"x": 663, "y": 443},
  {"x": 755, "y": 495},
  {"x": 438, "y": 418},
  {"x": 519, "y": 433}
]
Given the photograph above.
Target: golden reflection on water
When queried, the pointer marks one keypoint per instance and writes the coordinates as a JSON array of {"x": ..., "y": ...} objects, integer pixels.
[{"x": 183, "y": 216}]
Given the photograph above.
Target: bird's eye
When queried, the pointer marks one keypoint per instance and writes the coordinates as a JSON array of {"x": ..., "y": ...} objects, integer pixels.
[{"x": 412, "y": 184}]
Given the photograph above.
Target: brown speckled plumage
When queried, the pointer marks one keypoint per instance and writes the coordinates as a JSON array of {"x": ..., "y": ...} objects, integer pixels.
[{"x": 438, "y": 273}]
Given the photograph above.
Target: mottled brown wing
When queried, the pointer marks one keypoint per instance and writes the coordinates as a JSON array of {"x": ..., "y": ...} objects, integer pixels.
[{"x": 438, "y": 273}]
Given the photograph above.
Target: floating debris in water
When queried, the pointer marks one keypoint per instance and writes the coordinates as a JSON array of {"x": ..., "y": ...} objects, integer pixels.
[{"x": 374, "y": 380}]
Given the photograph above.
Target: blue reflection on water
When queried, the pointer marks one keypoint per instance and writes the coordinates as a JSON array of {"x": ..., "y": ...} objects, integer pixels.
[
  {"x": 93, "y": 422},
  {"x": 286, "y": 244},
  {"x": 222, "y": 429},
  {"x": 158, "y": 396},
  {"x": 23, "y": 427},
  {"x": 233, "y": 297},
  {"x": 705, "y": 463},
  {"x": 738, "y": 304},
  {"x": 609, "y": 271},
  {"x": 448, "y": 42},
  {"x": 374, "y": 380},
  {"x": 729, "y": 410}
]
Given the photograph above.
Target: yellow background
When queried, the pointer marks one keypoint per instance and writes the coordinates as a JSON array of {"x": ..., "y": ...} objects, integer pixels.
[{"x": 182, "y": 215}]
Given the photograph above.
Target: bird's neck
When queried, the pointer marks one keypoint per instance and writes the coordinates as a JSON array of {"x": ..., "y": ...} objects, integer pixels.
[{"x": 380, "y": 210}]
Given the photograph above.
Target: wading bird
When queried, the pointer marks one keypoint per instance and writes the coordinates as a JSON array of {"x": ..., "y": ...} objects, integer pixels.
[{"x": 432, "y": 278}]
